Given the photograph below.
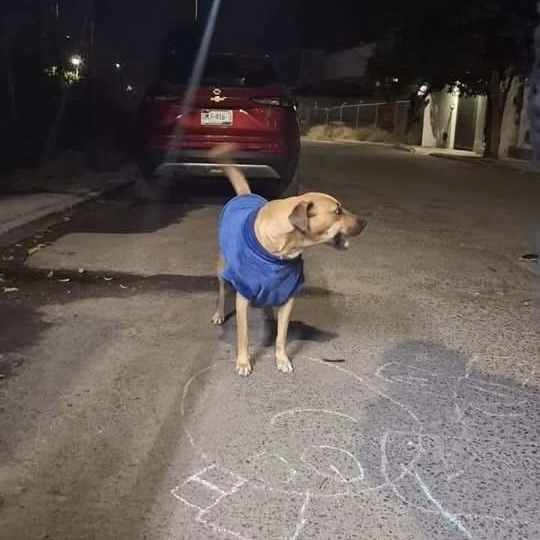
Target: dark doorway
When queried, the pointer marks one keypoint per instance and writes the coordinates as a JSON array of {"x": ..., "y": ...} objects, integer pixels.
[{"x": 466, "y": 123}]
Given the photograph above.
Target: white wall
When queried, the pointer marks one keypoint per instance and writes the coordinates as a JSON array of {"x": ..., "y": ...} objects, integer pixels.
[
  {"x": 440, "y": 117},
  {"x": 481, "y": 111},
  {"x": 441, "y": 114}
]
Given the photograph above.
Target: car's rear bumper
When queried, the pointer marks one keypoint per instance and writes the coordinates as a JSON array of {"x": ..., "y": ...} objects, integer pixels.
[{"x": 189, "y": 162}]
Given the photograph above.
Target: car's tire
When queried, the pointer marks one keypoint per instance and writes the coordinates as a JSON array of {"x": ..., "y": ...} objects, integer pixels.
[
  {"x": 152, "y": 188},
  {"x": 287, "y": 189}
]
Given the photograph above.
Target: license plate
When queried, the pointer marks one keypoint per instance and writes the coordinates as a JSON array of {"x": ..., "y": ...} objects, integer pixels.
[{"x": 215, "y": 117}]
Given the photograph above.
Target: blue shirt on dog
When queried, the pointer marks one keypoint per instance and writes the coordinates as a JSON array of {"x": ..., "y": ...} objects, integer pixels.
[{"x": 260, "y": 277}]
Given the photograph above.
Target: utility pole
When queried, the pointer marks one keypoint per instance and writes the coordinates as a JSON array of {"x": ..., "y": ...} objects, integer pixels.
[
  {"x": 92, "y": 44},
  {"x": 8, "y": 62},
  {"x": 189, "y": 11}
]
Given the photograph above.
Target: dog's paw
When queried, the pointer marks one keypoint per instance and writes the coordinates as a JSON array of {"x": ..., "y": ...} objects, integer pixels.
[
  {"x": 243, "y": 368},
  {"x": 284, "y": 365},
  {"x": 218, "y": 319}
]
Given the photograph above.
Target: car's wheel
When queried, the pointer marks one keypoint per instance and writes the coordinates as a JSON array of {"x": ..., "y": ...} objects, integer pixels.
[
  {"x": 283, "y": 189},
  {"x": 292, "y": 188},
  {"x": 152, "y": 187}
]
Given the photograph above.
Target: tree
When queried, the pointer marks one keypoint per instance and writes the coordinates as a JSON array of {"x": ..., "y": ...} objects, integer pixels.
[{"x": 477, "y": 45}]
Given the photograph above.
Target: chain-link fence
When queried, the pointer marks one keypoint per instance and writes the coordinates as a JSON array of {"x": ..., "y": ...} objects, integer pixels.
[{"x": 391, "y": 116}]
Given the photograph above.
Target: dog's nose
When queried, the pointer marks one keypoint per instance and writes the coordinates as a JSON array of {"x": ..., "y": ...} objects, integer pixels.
[{"x": 360, "y": 225}]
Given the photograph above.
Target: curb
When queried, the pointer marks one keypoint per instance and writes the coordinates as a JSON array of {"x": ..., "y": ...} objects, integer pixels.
[
  {"x": 477, "y": 160},
  {"x": 55, "y": 212},
  {"x": 525, "y": 167},
  {"x": 395, "y": 146},
  {"x": 405, "y": 148}
]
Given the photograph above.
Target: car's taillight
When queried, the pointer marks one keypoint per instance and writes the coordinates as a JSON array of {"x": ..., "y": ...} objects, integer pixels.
[{"x": 274, "y": 101}]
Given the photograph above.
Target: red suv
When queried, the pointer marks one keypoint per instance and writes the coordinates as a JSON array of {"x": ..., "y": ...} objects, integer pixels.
[{"x": 240, "y": 100}]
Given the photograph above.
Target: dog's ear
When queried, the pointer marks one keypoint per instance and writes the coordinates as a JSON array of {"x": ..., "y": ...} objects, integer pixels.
[{"x": 299, "y": 217}]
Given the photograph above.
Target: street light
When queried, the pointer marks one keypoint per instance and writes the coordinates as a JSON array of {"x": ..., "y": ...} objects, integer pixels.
[{"x": 75, "y": 60}]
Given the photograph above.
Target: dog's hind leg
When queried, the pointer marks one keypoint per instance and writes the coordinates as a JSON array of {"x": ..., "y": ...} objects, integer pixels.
[
  {"x": 219, "y": 315},
  {"x": 283, "y": 317}
]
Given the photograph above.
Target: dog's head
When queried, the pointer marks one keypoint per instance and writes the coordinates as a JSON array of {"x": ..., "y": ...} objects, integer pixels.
[{"x": 322, "y": 219}]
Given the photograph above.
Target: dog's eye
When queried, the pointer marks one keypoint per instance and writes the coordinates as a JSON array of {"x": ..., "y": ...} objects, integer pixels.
[{"x": 339, "y": 210}]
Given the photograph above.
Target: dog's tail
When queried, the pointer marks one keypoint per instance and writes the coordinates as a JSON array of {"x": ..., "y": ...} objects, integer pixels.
[{"x": 222, "y": 153}]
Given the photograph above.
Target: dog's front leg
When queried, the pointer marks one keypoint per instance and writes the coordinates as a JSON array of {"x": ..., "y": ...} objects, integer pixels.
[
  {"x": 283, "y": 317},
  {"x": 243, "y": 366},
  {"x": 219, "y": 315}
]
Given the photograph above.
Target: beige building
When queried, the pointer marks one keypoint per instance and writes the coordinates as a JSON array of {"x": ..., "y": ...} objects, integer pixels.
[{"x": 451, "y": 121}]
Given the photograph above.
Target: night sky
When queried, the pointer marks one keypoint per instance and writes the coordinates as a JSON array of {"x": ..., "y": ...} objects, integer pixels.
[
  {"x": 135, "y": 31},
  {"x": 131, "y": 31}
]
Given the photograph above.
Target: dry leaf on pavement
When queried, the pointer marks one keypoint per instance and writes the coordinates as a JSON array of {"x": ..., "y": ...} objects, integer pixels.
[
  {"x": 36, "y": 248},
  {"x": 10, "y": 289}
]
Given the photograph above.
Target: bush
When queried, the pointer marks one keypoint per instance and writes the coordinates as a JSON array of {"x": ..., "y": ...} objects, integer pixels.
[
  {"x": 56, "y": 174},
  {"x": 332, "y": 132},
  {"x": 319, "y": 133},
  {"x": 374, "y": 134}
]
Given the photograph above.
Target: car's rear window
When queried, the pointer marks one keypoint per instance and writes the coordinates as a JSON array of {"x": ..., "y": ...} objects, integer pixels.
[{"x": 223, "y": 71}]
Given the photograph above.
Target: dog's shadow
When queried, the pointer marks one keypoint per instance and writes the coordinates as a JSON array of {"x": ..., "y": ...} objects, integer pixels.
[{"x": 263, "y": 330}]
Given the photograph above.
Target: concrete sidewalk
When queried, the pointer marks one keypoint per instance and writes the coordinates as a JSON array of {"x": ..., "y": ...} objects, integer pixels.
[
  {"x": 466, "y": 156},
  {"x": 20, "y": 210}
]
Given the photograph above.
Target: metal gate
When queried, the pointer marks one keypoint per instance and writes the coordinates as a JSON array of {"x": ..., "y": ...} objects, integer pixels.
[{"x": 466, "y": 123}]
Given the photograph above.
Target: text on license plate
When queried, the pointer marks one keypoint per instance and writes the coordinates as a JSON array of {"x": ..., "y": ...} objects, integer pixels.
[{"x": 213, "y": 117}]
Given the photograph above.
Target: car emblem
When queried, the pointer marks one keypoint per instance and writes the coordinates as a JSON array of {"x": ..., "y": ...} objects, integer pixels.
[{"x": 217, "y": 96}]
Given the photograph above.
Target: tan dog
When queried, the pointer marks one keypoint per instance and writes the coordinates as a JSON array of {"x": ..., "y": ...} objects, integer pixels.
[{"x": 261, "y": 243}]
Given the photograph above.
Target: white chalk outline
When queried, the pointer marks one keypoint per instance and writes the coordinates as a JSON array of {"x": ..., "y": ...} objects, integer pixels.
[
  {"x": 213, "y": 487},
  {"x": 302, "y": 517},
  {"x": 473, "y": 383},
  {"x": 388, "y": 483},
  {"x": 449, "y": 516},
  {"x": 337, "y": 473},
  {"x": 410, "y": 473},
  {"x": 259, "y": 484}
]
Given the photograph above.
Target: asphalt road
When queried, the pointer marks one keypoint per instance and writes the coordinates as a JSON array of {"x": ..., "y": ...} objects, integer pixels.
[{"x": 412, "y": 413}]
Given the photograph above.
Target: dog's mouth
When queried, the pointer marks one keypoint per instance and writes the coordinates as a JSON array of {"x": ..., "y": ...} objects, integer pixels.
[{"x": 339, "y": 241}]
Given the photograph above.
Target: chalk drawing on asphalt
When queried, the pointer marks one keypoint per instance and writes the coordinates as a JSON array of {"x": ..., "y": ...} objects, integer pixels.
[{"x": 325, "y": 467}]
